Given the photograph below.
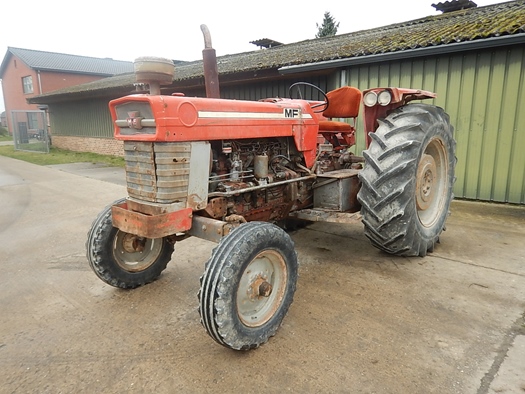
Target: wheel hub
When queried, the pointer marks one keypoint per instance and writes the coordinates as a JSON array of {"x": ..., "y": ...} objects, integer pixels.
[
  {"x": 261, "y": 288},
  {"x": 425, "y": 183},
  {"x": 133, "y": 253},
  {"x": 132, "y": 244}
]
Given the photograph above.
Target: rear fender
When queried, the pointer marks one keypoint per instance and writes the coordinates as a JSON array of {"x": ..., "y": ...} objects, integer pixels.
[{"x": 400, "y": 97}]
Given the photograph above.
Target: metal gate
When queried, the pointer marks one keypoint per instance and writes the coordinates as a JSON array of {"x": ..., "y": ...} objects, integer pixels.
[{"x": 30, "y": 131}]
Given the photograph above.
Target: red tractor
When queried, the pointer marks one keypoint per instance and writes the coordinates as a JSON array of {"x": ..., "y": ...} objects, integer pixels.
[{"x": 241, "y": 172}]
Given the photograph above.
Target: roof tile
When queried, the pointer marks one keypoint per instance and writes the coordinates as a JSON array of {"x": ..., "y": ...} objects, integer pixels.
[
  {"x": 438, "y": 30},
  {"x": 51, "y": 61}
]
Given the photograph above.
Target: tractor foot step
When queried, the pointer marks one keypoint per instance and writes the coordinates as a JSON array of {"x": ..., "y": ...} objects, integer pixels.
[{"x": 326, "y": 215}]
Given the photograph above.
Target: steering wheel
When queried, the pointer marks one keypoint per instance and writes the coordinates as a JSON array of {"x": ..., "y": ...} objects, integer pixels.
[{"x": 323, "y": 105}]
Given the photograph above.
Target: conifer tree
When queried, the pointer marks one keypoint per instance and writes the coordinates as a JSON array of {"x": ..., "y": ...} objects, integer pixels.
[{"x": 328, "y": 27}]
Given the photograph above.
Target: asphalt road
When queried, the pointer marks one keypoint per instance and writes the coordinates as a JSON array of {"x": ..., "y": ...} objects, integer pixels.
[{"x": 362, "y": 321}]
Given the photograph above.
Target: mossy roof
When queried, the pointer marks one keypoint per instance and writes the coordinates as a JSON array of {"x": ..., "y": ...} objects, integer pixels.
[{"x": 479, "y": 23}]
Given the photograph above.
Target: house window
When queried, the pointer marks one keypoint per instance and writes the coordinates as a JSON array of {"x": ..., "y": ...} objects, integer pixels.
[{"x": 27, "y": 83}]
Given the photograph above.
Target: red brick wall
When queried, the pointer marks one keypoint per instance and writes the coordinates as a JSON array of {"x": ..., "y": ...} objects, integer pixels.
[
  {"x": 104, "y": 146},
  {"x": 53, "y": 81},
  {"x": 14, "y": 97}
]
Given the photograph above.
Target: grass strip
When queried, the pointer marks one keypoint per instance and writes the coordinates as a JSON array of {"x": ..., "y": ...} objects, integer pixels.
[{"x": 61, "y": 156}]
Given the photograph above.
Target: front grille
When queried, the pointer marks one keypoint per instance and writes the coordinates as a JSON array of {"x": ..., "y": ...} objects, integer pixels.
[
  {"x": 157, "y": 172},
  {"x": 142, "y": 109}
]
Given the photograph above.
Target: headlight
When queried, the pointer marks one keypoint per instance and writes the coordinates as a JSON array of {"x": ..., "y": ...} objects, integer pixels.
[
  {"x": 384, "y": 97},
  {"x": 370, "y": 99}
]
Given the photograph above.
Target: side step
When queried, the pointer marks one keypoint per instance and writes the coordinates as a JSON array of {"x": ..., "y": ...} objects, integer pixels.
[{"x": 326, "y": 215}]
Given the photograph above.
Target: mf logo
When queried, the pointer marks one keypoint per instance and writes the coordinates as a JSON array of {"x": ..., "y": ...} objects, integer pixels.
[{"x": 291, "y": 112}]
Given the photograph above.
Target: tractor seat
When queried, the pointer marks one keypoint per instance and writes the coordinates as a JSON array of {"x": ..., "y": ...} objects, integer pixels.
[
  {"x": 334, "y": 126},
  {"x": 344, "y": 103}
]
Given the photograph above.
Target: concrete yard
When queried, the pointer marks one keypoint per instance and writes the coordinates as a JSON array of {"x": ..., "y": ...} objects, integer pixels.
[{"x": 362, "y": 321}]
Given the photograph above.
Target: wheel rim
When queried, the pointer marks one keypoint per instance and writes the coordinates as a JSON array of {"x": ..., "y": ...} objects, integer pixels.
[
  {"x": 261, "y": 288},
  {"x": 133, "y": 253},
  {"x": 431, "y": 182}
]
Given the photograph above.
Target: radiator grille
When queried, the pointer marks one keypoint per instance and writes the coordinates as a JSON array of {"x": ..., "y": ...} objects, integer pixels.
[{"x": 157, "y": 172}]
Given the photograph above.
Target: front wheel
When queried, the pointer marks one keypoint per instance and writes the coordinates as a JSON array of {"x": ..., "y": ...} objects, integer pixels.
[
  {"x": 407, "y": 180},
  {"x": 248, "y": 285},
  {"x": 125, "y": 260}
]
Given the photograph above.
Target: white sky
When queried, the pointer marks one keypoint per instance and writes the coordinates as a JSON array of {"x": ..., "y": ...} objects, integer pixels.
[{"x": 127, "y": 29}]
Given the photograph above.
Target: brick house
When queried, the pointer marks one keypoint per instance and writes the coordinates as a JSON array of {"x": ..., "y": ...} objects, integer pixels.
[{"x": 26, "y": 73}]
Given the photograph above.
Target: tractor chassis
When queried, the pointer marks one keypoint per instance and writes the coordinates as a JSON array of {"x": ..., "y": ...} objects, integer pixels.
[{"x": 335, "y": 200}]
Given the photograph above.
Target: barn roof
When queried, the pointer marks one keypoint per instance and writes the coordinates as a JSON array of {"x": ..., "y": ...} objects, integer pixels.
[
  {"x": 491, "y": 24},
  {"x": 61, "y": 62}
]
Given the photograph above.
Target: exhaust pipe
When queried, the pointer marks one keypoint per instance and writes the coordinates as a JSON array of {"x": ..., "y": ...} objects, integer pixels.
[{"x": 209, "y": 61}]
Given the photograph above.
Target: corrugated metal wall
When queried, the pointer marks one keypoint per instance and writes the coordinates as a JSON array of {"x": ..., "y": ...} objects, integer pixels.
[
  {"x": 484, "y": 94},
  {"x": 86, "y": 118},
  {"x": 261, "y": 90}
]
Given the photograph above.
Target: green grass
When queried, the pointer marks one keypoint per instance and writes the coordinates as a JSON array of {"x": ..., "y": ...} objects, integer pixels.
[
  {"x": 4, "y": 134},
  {"x": 33, "y": 146},
  {"x": 60, "y": 156}
]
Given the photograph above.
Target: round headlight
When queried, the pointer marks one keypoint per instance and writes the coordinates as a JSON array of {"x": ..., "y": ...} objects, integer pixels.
[
  {"x": 370, "y": 99},
  {"x": 384, "y": 98}
]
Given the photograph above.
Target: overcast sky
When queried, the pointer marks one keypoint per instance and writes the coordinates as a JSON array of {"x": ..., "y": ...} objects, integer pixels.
[{"x": 125, "y": 30}]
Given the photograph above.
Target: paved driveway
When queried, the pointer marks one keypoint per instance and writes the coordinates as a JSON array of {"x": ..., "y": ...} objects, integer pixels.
[{"x": 362, "y": 321}]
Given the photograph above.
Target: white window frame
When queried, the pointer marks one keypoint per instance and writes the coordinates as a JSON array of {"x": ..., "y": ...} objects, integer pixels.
[{"x": 27, "y": 84}]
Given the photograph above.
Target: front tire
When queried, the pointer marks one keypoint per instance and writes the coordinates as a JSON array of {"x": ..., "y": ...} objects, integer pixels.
[
  {"x": 407, "y": 180},
  {"x": 248, "y": 285},
  {"x": 125, "y": 260}
]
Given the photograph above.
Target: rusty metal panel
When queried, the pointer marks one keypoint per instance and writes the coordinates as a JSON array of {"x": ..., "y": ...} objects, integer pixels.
[
  {"x": 150, "y": 226},
  {"x": 172, "y": 162},
  {"x": 140, "y": 170},
  {"x": 337, "y": 190},
  {"x": 157, "y": 172},
  {"x": 484, "y": 94},
  {"x": 326, "y": 215},
  {"x": 210, "y": 229}
]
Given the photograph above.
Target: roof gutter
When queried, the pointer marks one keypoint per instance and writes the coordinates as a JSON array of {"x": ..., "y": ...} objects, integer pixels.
[{"x": 515, "y": 39}]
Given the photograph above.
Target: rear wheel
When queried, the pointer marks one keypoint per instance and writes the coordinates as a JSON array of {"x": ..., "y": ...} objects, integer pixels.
[
  {"x": 248, "y": 285},
  {"x": 407, "y": 180},
  {"x": 122, "y": 259}
]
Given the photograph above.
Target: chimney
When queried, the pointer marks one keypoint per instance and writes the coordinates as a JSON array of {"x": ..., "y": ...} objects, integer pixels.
[
  {"x": 266, "y": 43},
  {"x": 454, "y": 5}
]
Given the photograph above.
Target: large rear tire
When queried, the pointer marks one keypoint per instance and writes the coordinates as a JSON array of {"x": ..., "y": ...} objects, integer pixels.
[
  {"x": 407, "y": 180},
  {"x": 125, "y": 260},
  {"x": 248, "y": 285}
]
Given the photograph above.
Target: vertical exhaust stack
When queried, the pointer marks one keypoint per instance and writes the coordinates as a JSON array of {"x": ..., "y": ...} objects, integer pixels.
[{"x": 209, "y": 60}]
